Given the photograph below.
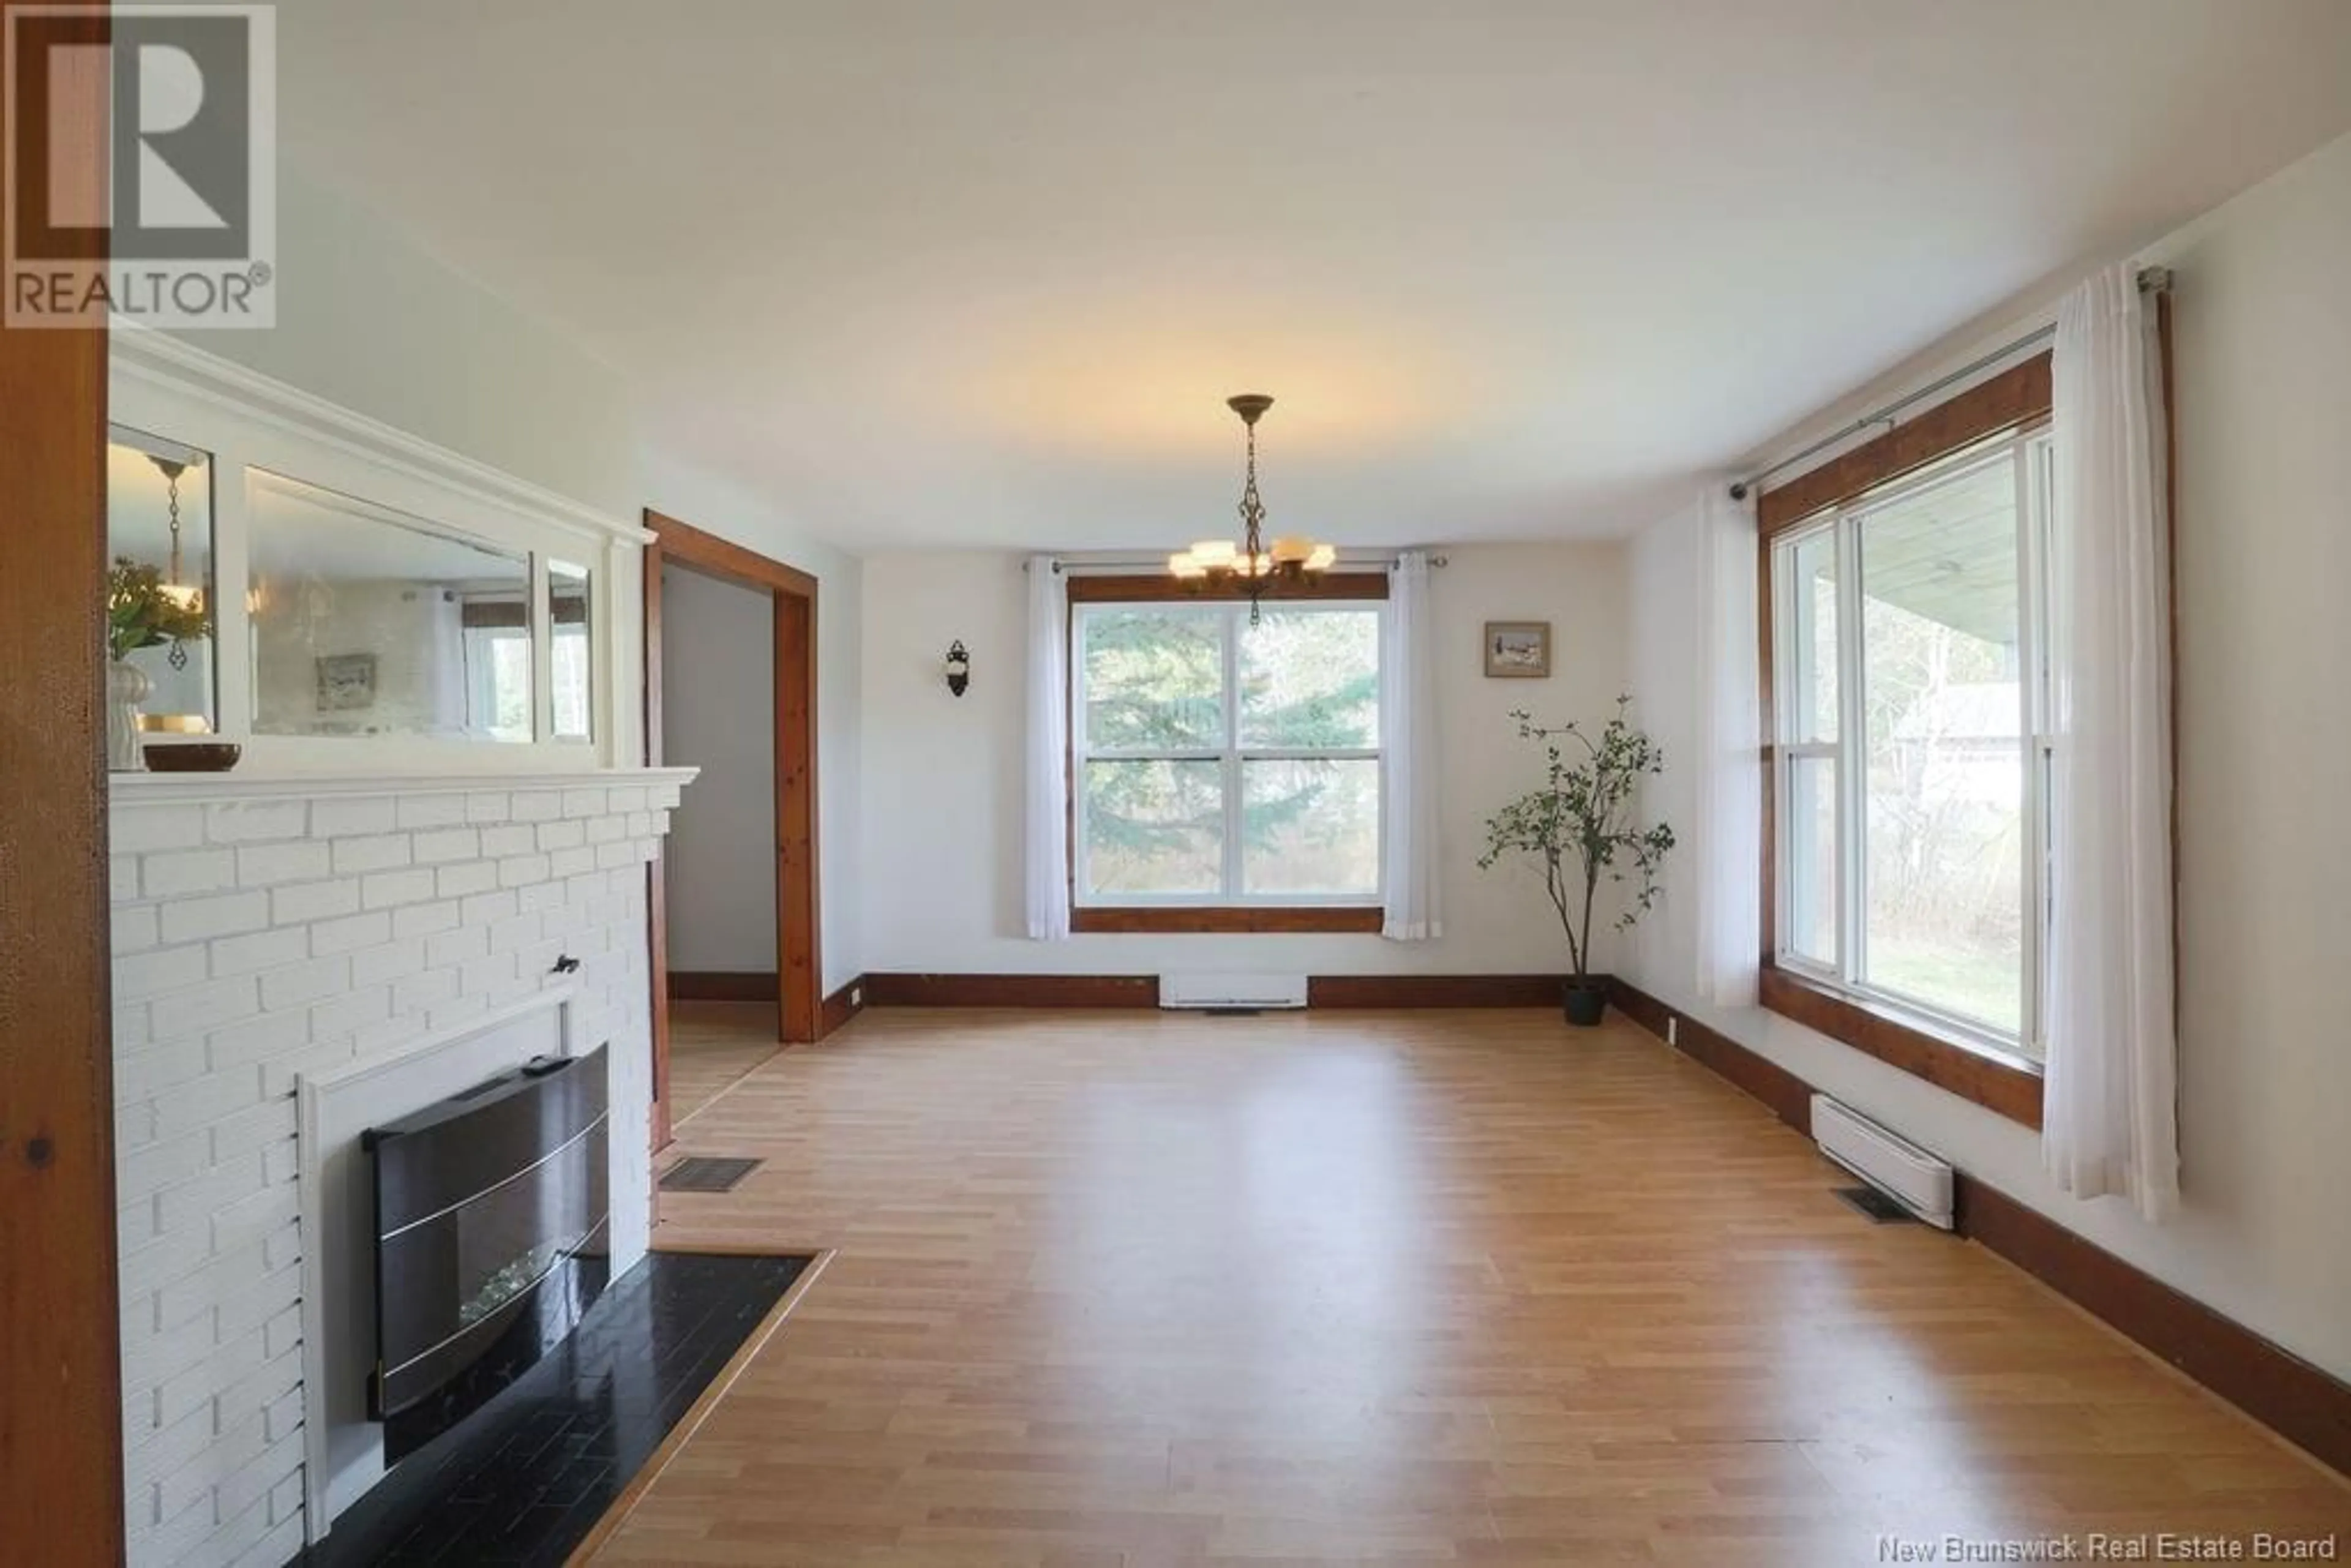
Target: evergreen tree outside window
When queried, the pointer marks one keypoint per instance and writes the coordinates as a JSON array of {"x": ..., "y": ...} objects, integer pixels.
[{"x": 1220, "y": 763}]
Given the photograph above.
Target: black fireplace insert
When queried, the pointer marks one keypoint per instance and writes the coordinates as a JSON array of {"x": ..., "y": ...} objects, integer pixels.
[{"x": 492, "y": 1239}]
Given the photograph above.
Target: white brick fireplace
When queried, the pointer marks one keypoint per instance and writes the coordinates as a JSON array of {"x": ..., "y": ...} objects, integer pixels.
[{"x": 269, "y": 928}]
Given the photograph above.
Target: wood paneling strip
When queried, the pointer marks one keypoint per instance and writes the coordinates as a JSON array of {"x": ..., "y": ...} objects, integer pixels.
[
  {"x": 723, "y": 985},
  {"x": 682, "y": 542},
  {"x": 1434, "y": 990},
  {"x": 2014, "y": 398},
  {"x": 909, "y": 990},
  {"x": 905, "y": 990},
  {"x": 1241, "y": 919},
  {"x": 1996, "y": 1085},
  {"x": 60, "y": 1389},
  {"x": 1144, "y": 588},
  {"x": 1788, "y": 1096},
  {"x": 838, "y": 1009},
  {"x": 2302, "y": 1403},
  {"x": 799, "y": 921},
  {"x": 656, "y": 869}
]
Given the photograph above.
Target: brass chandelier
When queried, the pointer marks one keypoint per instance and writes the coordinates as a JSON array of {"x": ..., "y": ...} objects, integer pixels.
[{"x": 1289, "y": 560}]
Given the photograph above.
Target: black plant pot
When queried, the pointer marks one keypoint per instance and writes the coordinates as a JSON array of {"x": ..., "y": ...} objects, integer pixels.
[{"x": 1584, "y": 1003}]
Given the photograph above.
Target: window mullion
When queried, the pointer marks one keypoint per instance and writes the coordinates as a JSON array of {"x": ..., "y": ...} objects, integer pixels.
[
  {"x": 2033, "y": 682},
  {"x": 1081, "y": 872},
  {"x": 1852, "y": 749},
  {"x": 1310, "y": 754},
  {"x": 1780, "y": 564},
  {"x": 1232, "y": 767}
]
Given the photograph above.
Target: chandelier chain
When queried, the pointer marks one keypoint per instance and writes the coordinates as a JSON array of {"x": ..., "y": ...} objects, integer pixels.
[
  {"x": 1252, "y": 505},
  {"x": 178, "y": 656},
  {"x": 1258, "y": 568}
]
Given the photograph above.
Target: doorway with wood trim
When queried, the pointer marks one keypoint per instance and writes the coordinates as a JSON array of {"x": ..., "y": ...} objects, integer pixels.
[{"x": 793, "y": 985}]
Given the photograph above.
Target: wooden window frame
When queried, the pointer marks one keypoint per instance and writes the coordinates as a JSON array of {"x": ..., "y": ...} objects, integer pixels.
[
  {"x": 1192, "y": 919},
  {"x": 2007, "y": 1082}
]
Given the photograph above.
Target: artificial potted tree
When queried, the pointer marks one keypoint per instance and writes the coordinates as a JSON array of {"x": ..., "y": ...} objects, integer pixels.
[{"x": 1581, "y": 825}]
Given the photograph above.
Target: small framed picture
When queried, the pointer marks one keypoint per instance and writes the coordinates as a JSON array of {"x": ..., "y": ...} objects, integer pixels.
[
  {"x": 1518, "y": 650},
  {"x": 346, "y": 682}
]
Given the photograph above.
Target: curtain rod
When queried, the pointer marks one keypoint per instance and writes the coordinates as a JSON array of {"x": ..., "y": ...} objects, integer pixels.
[
  {"x": 1113, "y": 564},
  {"x": 2151, "y": 279}
]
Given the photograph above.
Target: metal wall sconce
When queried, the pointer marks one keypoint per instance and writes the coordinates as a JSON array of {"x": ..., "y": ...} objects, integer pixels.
[{"x": 959, "y": 668}]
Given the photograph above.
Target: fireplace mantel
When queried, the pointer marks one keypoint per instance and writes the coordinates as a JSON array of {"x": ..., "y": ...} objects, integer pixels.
[{"x": 205, "y": 789}]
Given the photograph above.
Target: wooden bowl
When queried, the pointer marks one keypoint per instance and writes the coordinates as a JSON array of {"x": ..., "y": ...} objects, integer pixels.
[{"x": 191, "y": 756}]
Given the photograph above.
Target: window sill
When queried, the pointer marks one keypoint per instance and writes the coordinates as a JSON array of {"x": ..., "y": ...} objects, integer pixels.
[
  {"x": 2008, "y": 1085},
  {"x": 1243, "y": 919}
]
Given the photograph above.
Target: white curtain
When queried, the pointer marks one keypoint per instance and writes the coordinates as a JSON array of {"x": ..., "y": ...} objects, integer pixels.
[
  {"x": 2109, "y": 1118},
  {"x": 1048, "y": 814},
  {"x": 1408, "y": 756},
  {"x": 1729, "y": 832}
]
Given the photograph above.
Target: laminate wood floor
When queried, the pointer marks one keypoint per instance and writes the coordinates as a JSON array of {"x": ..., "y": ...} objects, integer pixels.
[
  {"x": 713, "y": 1044},
  {"x": 1136, "y": 1289}
]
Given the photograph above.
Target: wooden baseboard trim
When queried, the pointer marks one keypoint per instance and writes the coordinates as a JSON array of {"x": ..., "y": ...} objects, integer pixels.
[
  {"x": 2303, "y": 1403},
  {"x": 840, "y": 1006},
  {"x": 1788, "y": 1096},
  {"x": 722, "y": 986},
  {"x": 1433, "y": 990},
  {"x": 904, "y": 990},
  {"x": 908, "y": 991}
]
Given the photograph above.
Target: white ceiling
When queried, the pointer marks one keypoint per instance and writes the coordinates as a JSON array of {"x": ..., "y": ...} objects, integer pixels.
[{"x": 941, "y": 272}]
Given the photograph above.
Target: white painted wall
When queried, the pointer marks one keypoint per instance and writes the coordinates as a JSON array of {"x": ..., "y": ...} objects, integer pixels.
[
  {"x": 367, "y": 320},
  {"x": 718, "y": 714},
  {"x": 2263, "y": 366},
  {"x": 941, "y": 855}
]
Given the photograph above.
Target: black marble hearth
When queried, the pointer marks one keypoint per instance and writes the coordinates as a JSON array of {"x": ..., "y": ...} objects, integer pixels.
[{"x": 528, "y": 1475}]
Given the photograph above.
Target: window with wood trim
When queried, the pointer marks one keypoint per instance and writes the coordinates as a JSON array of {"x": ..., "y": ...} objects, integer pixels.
[
  {"x": 1906, "y": 620},
  {"x": 1225, "y": 773},
  {"x": 1912, "y": 765}
]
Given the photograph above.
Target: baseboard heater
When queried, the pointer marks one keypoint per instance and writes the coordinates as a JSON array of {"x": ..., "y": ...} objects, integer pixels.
[
  {"x": 1253, "y": 992},
  {"x": 1893, "y": 1165}
]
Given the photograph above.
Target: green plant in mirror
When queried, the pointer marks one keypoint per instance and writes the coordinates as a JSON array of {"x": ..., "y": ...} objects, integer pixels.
[
  {"x": 1582, "y": 822},
  {"x": 141, "y": 611}
]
